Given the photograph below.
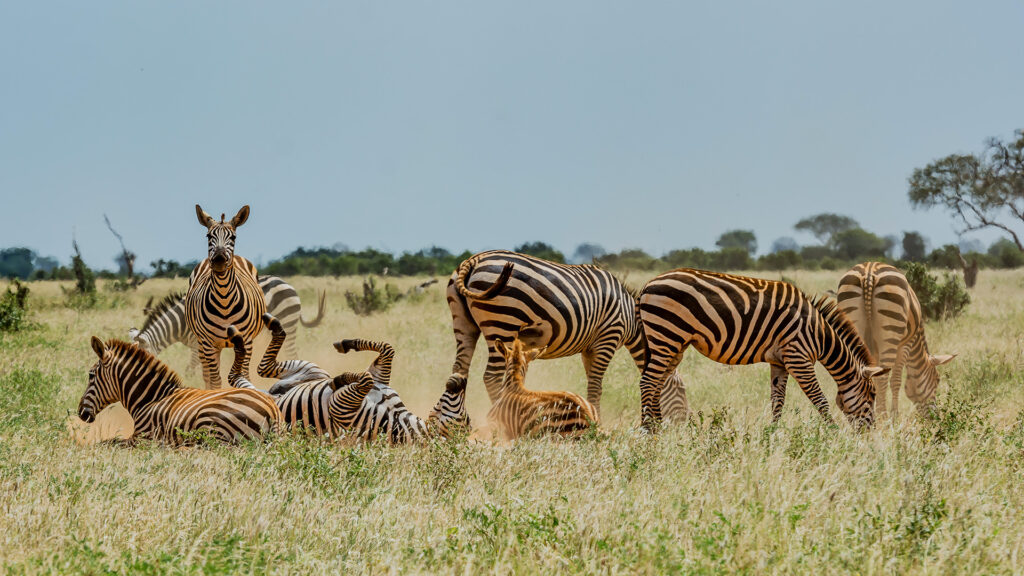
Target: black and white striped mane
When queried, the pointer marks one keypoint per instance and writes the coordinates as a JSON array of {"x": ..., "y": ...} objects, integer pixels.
[
  {"x": 168, "y": 302},
  {"x": 131, "y": 354},
  {"x": 829, "y": 309}
]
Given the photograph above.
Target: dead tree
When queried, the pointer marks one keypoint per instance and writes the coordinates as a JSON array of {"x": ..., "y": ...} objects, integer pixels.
[
  {"x": 970, "y": 270},
  {"x": 127, "y": 259}
]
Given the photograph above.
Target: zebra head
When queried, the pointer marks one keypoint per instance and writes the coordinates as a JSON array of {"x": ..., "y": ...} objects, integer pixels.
[
  {"x": 220, "y": 237},
  {"x": 99, "y": 392},
  {"x": 449, "y": 415},
  {"x": 857, "y": 400},
  {"x": 922, "y": 377},
  {"x": 517, "y": 358}
]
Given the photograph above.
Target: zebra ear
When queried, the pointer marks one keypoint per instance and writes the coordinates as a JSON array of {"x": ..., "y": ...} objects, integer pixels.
[
  {"x": 204, "y": 218},
  {"x": 97, "y": 347},
  {"x": 873, "y": 371},
  {"x": 241, "y": 217},
  {"x": 535, "y": 353},
  {"x": 940, "y": 359},
  {"x": 501, "y": 348}
]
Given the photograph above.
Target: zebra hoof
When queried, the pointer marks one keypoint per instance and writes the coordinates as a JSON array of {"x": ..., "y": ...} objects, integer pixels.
[{"x": 345, "y": 346}]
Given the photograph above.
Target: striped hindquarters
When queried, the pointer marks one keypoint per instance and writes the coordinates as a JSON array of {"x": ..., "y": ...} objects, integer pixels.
[{"x": 877, "y": 298}]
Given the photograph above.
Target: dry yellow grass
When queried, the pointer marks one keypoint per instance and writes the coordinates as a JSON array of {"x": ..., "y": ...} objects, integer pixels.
[{"x": 725, "y": 494}]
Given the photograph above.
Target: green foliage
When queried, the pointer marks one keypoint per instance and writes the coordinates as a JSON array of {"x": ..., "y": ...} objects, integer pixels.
[
  {"x": 981, "y": 191},
  {"x": 859, "y": 244},
  {"x": 630, "y": 259},
  {"x": 172, "y": 269},
  {"x": 372, "y": 299},
  {"x": 730, "y": 259},
  {"x": 781, "y": 260},
  {"x": 28, "y": 400},
  {"x": 691, "y": 258},
  {"x": 1004, "y": 253},
  {"x": 13, "y": 307},
  {"x": 947, "y": 256},
  {"x": 588, "y": 252},
  {"x": 914, "y": 247},
  {"x": 541, "y": 250},
  {"x": 939, "y": 301},
  {"x": 744, "y": 239},
  {"x": 16, "y": 262},
  {"x": 826, "y": 226}
]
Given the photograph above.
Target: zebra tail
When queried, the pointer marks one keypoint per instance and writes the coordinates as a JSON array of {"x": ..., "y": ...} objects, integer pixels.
[
  {"x": 321, "y": 309},
  {"x": 464, "y": 271}
]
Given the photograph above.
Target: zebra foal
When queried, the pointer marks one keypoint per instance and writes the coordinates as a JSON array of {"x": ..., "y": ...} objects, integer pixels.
[{"x": 520, "y": 412}]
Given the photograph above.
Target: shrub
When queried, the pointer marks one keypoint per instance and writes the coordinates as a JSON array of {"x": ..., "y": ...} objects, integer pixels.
[
  {"x": 12, "y": 307},
  {"x": 372, "y": 299},
  {"x": 781, "y": 260},
  {"x": 939, "y": 301}
]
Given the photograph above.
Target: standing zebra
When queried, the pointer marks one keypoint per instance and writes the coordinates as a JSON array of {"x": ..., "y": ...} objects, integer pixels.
[
  {"x": 521, "y": 412},
  {"x": 164, "y": 410},
  {"x": 309, "y": 398},
  {"x": 223, "y": 291},
  {"x": 573, "y": 309},
  {"x": 739, "y": 320},
  {"x": 881, "y": 304},
  {"x": 165, "y": 322}
]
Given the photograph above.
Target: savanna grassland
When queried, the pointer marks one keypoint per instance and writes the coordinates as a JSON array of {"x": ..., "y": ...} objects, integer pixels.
[{"x": 726, "y": 493}]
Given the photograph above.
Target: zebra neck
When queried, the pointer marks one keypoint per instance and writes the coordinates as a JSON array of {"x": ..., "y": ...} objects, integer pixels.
[
  {"x": 140, "y": 391},
  {"x": 835, "y": 354},
  {"x": 224, "y": 281},
  {"x": 918, "y": 361}
]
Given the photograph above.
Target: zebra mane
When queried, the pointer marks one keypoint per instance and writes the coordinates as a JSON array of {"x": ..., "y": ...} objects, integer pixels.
[
  {"x": 168, "y": 302},
  {"x": 132, "y": 354},
  {"x": 829, "y": 309}
]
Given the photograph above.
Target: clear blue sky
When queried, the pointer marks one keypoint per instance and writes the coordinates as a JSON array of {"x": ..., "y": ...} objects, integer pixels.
[{"x": 475, "y": 125}]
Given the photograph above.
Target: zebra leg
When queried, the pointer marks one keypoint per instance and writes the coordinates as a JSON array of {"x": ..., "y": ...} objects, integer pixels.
[
  {"x": 236, "y": 376},
  {"x": 269, "y": 366},
  {"x": 194, "y": 362},
  {"x": 595, "y": 362},
  {"x": 209, "y": 355},
  {"x": 494, "y": 374},
  {"x": 779, "y": 379},
  {"x": 381, "y": 366},
  {"x": 466, "y": 331},
  {"x": 661, "y": 362},
  {"x": 887, "y": 357},
  {"x": 895, "y": 380},
  {"x": 674, "y": 406},
  {"x": 802, "y": 371}
]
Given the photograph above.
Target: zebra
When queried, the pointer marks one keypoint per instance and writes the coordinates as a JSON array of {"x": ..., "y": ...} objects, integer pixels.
[
  {"x": 740, "y": 320},
  {"x": 165, "y": 411},
  {"x": 521, "y": 412},
  {"x": 223, "y": 291},
  {"x": 573, "y": 309},
  {"x": 881, "y": 304},
  {"x": 165, "y": 322},
  {"x": 309, "y": 398}
]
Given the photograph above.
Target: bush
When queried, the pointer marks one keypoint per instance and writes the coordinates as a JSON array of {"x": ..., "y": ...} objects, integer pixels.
[
  {"x": 947, "y": 256},
  {"x": 692, "y": 258},
  {"x": 372, "y": 299},
  {"x": 1005, "y": 254},
  {"x": 13, "y": 304},
  {"x": 939, "y": 301},
  {"x": 781, "y": 260},
  {"x": 630, "y": 259}
]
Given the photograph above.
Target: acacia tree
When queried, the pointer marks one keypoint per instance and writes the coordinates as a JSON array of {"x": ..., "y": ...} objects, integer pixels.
[
  {"x": 984, "y": 191},
  {"x": 743, "y": 239},
  {"x": 826, "y": 226}
]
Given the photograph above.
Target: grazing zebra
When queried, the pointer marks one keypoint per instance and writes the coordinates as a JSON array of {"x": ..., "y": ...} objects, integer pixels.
[
  {"x": 521, "y": 412},
  {"x": 223, "y": 291},
  {"x": 881, "y": 304},
  {"x": 739, "y": 320},
  {"x": 164, "y": 410},
  {"x": 165, "y": 322},
  {"x": 309, "y": 398},
  {"x": 573, "y": 309}
]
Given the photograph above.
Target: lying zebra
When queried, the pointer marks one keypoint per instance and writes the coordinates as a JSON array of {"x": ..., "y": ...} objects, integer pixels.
[
  {"x": 310, "y": 398},
  {"x": 521, "y": 412},
  {"x": 162, "y": 408}
]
